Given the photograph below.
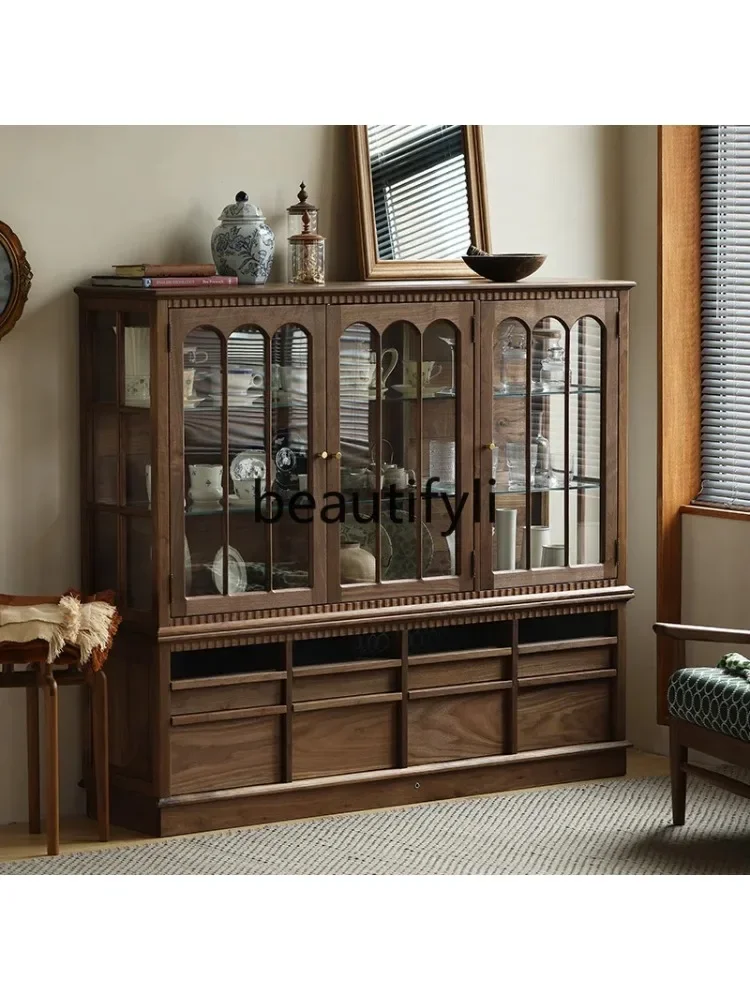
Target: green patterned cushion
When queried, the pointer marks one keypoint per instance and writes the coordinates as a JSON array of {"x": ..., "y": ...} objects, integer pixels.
[{"x": 711, "y": 698}]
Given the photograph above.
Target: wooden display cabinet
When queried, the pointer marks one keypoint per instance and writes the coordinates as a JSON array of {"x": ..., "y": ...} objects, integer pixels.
[{"x": 351, "y": 650}]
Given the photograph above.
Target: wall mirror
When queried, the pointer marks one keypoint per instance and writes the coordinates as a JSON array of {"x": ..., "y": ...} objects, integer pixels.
[
  {"x": 421, "y": 199},
  {"x": 15, "y": 279}
]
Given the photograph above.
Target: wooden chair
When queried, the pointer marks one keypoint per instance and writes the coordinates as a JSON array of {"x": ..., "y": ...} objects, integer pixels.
[
  {"x": 40, "y": 675},
  {"x": 709, "y": 711}
]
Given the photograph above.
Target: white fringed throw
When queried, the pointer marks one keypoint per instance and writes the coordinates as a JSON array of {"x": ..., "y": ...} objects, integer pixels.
[{"x": 69, "y": 621}]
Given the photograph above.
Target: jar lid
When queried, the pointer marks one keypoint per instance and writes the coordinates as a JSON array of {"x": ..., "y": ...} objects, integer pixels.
[
  {"x": 242, "y": 210},
  {"x": 307, "y": 236},
  {"x": 302, "y": 205}
]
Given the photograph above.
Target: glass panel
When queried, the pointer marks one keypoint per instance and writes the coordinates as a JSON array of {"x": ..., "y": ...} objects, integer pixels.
[
  {"x": 136, "y": 446},
  {"x": 138, "y": 575},
  {"x": 361, "y": 543},
  {"x": 103, "y": 357},
  {"x": 440, "y": 358},
  {"x": 136, "y": 360},
  {"x": 104, "y": 551},
  {"x": 585, "y": 513},
  {"x": 291, "y": 535},
  {"x": 251, "y": 473},
  {"x": 510, "y": 454},
  {"x": 106, "y": 452},
  {"x": 398, "y": 457},
  {"x": 204, "y": 479}
]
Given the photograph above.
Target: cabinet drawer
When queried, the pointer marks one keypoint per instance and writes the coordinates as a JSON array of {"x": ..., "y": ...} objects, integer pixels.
[
  {"x": 340, "y": 684},
  {"x": 344, "y": 740},
  {"x": 564, "y": 715},
  {"x": 216, "y": 755},
  {"x": 564, "y": 661},
  {"x": 457, "y": 727},
  {"x": 459, "y": 669},
  {"x": 224, "y": 697}
]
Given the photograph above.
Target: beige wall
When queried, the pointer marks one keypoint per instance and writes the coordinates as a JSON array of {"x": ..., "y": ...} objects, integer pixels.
[
  {"x": 83, "y": 198},
  {"x": 639, "y": 218}
]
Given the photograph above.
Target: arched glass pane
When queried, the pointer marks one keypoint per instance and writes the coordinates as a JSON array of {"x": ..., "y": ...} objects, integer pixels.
[
  {"x": 440, "y": 454},
  {"x": 509, "y": 444},
  {"x": 292, "y": 470},
  {"x": 204, "y": 469},
  {"x": 250, "y": 463},
  {"x": 585, "y": 495}
]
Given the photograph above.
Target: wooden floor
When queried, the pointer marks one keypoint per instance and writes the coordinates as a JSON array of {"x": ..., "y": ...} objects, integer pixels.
[{"x": 79, "y": 833}]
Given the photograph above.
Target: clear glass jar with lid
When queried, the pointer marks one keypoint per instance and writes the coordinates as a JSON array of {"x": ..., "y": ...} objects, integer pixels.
[{"x": 307, "y": 256}]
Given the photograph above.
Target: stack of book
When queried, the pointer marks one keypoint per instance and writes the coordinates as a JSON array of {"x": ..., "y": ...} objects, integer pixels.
[{"x": 162, "y": 276}]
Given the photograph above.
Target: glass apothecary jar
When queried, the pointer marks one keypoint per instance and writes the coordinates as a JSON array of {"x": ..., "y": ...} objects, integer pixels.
[{"x": 307, "y": 256}]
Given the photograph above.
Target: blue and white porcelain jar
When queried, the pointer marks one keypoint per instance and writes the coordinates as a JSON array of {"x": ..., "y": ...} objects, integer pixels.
[{"x": 242, "y": 244}]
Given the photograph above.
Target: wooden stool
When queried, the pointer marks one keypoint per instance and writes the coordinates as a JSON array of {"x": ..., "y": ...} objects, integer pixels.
[{"x": 43, "y": 675}]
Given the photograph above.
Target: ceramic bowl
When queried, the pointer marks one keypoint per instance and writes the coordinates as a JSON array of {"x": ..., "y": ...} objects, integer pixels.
[{"x": 505, "y": 266}]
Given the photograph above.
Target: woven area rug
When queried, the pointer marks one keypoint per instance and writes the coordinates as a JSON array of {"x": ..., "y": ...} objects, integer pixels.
[{"x": 619, "y": 827}]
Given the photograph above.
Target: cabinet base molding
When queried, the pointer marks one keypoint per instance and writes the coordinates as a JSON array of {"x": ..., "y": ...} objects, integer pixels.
[{"x": 221, "y": 810}]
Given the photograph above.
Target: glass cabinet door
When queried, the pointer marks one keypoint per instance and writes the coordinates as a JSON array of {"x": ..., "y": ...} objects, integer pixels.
[
  {"x": 243, "y": 388},
  {"x": 116, "y": 395},
  {"x": 400, "y": 409},
  {"x": 543, "y": 442}
]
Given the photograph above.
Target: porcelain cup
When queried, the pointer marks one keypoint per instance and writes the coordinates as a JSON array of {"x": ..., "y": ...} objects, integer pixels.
[
  {"x": 188, "y": 382},
  {"x": 246, "y": 489},
  {"x": 205, "y": 482},
  {"x": 430, "y": 369},
  {"x": 137, "y": 389},
  {"x": 191, "y": 356}
]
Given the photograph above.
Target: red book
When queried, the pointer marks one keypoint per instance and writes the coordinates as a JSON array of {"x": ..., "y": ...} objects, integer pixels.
[{"x": 173, "y": 282}]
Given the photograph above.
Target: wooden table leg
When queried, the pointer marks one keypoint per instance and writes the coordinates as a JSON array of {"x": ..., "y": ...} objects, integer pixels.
[
  {"x": 53, "y": 760},
  {"x": 32, "y": 755},
  {"x": 101, "y": 751}
]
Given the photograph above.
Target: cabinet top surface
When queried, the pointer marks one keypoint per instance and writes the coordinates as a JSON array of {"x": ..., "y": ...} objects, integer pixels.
[{"x": 333, "y": 289}]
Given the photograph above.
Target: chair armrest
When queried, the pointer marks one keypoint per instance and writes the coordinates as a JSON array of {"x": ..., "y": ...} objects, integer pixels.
[{"x": 701, "y": 633}]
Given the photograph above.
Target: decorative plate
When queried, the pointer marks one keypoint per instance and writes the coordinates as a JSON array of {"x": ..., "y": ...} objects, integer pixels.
[
  {"x": 403, "y": 565},
  {"x": 237, "y": 575},
  {"x": 248, "y": 465},
  {"x": 353, "y": 531}
]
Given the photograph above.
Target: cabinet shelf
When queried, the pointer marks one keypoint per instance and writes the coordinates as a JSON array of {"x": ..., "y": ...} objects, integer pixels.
[{"x": 575, "y": 390}]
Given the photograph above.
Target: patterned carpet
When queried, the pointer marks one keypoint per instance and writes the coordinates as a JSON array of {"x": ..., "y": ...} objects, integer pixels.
[{"x": 617, "y": 827}]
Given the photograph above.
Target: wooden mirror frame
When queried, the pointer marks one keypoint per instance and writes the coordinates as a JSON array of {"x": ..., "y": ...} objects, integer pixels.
[
  {"x": 371, "y": 267},
  {"x": 22, "y": 276}
]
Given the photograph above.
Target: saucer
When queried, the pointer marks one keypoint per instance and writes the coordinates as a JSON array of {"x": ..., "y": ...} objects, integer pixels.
[
  {"x": 235, "y": 501},
  {"x": 410, "y": 391},
  {"x": 244, "y": 399},
  {"x": 192, "y": 401}
]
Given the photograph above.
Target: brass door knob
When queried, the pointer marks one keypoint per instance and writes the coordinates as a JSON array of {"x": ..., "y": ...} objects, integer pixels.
[
  {"x": 492, "y": 446},
  {"x": 322, "y": 454},
  {"x": 337, "y": 456}
]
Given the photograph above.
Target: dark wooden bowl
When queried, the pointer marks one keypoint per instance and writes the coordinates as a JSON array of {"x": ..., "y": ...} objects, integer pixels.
[{"x": 506, "y": 266}]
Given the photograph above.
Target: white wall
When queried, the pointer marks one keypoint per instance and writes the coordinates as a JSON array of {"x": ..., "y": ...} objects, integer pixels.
[{"x": 82, "y": 198}]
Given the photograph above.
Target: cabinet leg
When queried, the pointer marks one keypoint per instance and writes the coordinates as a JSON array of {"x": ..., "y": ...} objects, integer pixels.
[
  {"x": 677, "y": 757},
  {"x": 53, "y": 762},
  {"x": 101, "y": 751},
  {"x": 32, "y": 755}
]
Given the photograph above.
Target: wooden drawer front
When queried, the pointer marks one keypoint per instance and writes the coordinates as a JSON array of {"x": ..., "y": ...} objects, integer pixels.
[
  {"x": 427, "y": 675},
  {"x": 564, "y": 661},
  {"x": 226, "y": 754},
  {"x": 457, "y": 727},
  {"x": 226, "y": 697},
  {"x": 344, "y": 740},
  {"x": 563, "y": 715},
  {"x": 343, "y": 685}
]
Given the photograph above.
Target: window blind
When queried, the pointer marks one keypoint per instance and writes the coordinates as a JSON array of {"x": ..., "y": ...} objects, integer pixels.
[
  {"x": 725, "y": 316},
  {"x": 419, "y": 191}
]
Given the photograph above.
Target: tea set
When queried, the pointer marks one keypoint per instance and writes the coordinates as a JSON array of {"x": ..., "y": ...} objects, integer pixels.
[{"x": 367, "y": 478}]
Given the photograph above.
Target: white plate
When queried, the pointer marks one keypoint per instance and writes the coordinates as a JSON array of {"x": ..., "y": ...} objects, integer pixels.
[
  {"x": 237, "y": 576},
  {"x": 248, "y": 465}
]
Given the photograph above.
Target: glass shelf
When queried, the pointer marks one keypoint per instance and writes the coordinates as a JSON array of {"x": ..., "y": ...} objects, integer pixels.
[
  {"x": 575, "y": 484},
  {"x": 575, "y": 390}
]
